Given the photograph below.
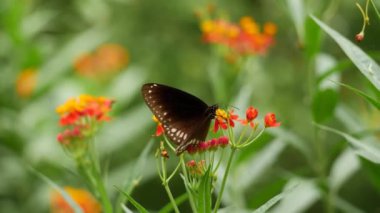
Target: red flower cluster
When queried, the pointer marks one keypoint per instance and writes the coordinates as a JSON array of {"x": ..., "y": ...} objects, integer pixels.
[
  {"x": 212, "y": 145},
  {"x": 244, "y": 38},
  {"x": 81, "y": 115}
]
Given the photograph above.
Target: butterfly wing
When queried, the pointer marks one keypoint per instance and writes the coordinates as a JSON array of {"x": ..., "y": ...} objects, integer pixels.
[{"x": 185, "y": 118}]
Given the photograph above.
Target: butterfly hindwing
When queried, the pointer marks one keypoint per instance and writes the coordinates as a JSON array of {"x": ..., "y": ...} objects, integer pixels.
[{"x": 185, "y": 118}]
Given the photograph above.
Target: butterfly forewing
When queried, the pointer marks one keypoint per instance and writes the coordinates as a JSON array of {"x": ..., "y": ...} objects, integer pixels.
[{"x": 185, "y": 118}]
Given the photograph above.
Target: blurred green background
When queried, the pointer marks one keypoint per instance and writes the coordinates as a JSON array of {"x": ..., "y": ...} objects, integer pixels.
[{"x": 163, "y": 41}]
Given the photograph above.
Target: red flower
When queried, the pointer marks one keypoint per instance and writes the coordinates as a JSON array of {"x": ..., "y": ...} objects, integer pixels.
[
  {"x": 210, "y": 145},
  {"x": 270, "y": 120},
  {"x": 250, "y": 115},
  {"x": 223, "y": 141},
  {"x": 160, "y": 128}
]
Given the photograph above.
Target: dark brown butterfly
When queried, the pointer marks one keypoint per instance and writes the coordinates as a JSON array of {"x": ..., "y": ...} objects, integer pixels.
[{"x": 185, "y": 118}]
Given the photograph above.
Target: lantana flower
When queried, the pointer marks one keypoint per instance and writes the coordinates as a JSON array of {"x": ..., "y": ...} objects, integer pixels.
[
  {"x": 245, "y": 38},
  {"x": 82, "y": 116},
  {"x": 83, "y": 198},
  {"x": 108, "y": 59}
]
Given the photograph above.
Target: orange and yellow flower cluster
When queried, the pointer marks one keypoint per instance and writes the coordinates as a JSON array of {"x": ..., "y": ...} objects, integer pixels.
[
  {"x": 105, "y": 61},
  {"x": 81, "y": 116},
  {"x": 244, "y": 38},
  {"x": 83, "y": 198}
]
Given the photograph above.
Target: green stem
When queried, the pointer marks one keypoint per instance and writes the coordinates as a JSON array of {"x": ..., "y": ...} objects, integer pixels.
[
  {"x": 89, "y": 170},
  {"x": 224, "y": 181},
  {"x": 165, "y": 182},
  {"x": 191, "y": 197},
  {"x": 374, "y": 7},
  {"x": 172, "y": 200}
]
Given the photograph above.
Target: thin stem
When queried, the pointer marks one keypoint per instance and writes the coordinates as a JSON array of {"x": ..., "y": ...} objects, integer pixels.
[
  {"x": 242, "y": 134},
  {"x": 374, "y": 7},
  {"x": 224, "y": 181},
  {"x": 174, "y": 172},
  {"x": 247, "y": 143},
  {"x": 172, "y": 200},
  {"x": 191, "y": 198},
  {"x": 165, "y": 182},
  {"x": 364, "y": 16}
]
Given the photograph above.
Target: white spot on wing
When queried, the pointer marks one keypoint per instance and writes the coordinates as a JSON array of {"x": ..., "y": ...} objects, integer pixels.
[{"x": 173, "y": 130}]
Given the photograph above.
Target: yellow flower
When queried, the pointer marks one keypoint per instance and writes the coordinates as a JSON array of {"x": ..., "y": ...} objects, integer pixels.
[
  {"x": 26, "y": 82},
  {"x": 220, "y": 113},
  {"x": 83, "y": 198}
]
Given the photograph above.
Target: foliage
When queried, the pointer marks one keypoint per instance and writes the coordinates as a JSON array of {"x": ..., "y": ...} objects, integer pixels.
[{"x": 312, "y": 63}]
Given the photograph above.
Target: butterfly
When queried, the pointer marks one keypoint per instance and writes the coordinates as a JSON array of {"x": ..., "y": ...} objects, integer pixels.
[{"x": 185, "y": 118}]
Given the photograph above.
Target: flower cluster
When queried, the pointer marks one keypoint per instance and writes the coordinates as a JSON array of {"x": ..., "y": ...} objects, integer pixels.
[
  {"x": 81, "y": 116},
  {"x": 83, "y": 198},
  {"x": 210, "y": 145},
  {"x": 196, "y": 169},
  {"x": 224, "y": 119},
  {"x": 244, "y": 38},
  {"x": 26, "y": 82},
  {"x": 105, "y": 61}
]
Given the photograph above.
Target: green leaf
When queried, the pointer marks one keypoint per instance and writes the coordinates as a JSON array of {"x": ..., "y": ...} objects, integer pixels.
[
  {"x": 204, "y": 195},
  {"x": 312, "y": 37},
  {"x": 344, "y": 167},
  {"x": 367, "y": 66},
  {"x": 134, "y": 173},
  {"x": 297, "y": 13},
  {"x": 133, "y": 201},
  {"x": 300, "y": 196},
  {"x": 179, "y": 200},
  {"x": 65, "y": 196},
  {"x": 324, "y": 103},
  {"x": 368, "y": 98},
  {"x": 365, "y": 149}
]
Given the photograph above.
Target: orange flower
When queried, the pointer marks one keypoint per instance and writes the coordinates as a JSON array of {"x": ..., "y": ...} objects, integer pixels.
[
  {"x": 106, "y": 60},
  {"x": 83, "y": 198},
  {"x": 224, "y": 119},
  {"x": 81, "y": 116},
  {"x": 250, "y": 115},
  {"x": 26, "y": 82},
  {"x": 270, "y": 120}
]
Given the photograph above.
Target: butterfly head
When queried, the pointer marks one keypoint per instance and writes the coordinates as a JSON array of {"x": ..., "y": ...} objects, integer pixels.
[{"x": 212, "y": 110}]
